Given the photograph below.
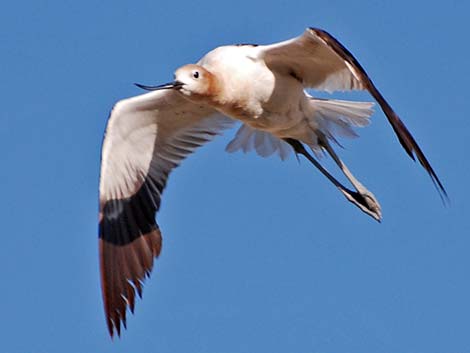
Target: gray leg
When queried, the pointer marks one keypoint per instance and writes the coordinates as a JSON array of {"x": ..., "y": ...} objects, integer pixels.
[
  {"x": 363, "y": 198},
  {"x": 368, "y": 197}
]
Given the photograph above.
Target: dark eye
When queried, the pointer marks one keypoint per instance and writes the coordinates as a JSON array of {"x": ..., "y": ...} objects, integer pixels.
[{"x": 196, "y": 74}]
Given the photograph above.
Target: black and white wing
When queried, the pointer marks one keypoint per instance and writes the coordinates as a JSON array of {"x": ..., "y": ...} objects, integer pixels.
[
  {"x": 321, "y": 62},
  {"x": 146, "y": 137}
]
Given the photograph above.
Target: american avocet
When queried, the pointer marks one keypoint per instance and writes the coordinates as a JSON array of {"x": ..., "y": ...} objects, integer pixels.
[{"x": 261, "y": 86}]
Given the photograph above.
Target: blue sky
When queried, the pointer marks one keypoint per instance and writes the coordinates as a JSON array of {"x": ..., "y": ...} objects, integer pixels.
[{"x": 259, "y": 255}]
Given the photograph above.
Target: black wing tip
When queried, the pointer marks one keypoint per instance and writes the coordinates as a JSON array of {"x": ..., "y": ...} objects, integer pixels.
[
  {"x": 416, "y": 153},
  {"x": 440, "y": 188}
]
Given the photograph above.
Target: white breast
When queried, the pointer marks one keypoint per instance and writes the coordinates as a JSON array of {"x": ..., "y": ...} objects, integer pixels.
[{"x": 253, "y": 93}]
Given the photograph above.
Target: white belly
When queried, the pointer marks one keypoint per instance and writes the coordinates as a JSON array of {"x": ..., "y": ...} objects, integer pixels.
[{"x": 257, "y": 96}]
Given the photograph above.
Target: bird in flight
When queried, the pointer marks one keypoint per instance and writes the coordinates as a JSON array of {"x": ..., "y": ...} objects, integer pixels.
[{"x": 260, "y": 86}]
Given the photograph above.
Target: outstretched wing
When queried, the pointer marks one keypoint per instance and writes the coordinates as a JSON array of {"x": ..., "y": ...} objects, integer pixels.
[
  {"x": 322, "y": 62},
  {"x": 146, "y": 137}
]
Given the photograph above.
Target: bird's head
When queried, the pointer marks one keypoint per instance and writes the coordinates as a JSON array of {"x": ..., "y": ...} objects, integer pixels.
[{"x": 192, "y": 80}]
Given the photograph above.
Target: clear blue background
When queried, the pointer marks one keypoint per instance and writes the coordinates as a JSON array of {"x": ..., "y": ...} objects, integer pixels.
[{"x": 259, "y": 255}]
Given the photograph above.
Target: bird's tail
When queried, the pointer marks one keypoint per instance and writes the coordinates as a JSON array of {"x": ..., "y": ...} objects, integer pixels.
[{"x": 338, "y": 118}]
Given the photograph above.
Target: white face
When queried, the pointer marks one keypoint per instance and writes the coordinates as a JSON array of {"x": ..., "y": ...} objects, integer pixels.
[{"x": 194, "y": 78}]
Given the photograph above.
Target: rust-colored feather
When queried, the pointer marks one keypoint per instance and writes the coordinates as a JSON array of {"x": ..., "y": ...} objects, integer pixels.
[{"x": 123, "y": 269}]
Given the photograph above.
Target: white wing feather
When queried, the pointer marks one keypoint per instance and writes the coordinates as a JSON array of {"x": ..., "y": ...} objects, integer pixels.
[
  {"x": 309, "y": 59},
  {"x": 159, "y": 124}
]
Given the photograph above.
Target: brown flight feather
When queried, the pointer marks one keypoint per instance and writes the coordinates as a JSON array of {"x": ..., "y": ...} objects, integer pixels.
[{"x": 123, "y": 269}]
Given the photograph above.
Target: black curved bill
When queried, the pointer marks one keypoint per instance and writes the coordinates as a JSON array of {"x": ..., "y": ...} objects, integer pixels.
[{"x": 170, "y": 85}]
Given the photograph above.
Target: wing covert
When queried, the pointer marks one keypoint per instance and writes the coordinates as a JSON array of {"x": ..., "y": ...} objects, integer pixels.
[{"x": 308, "y": 58}]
